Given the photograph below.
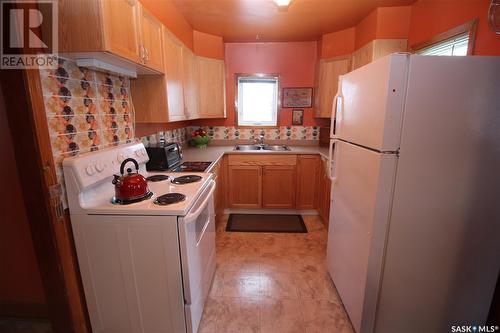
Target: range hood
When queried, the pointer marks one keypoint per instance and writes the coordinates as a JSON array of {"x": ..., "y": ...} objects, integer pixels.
[
  {"x": 110, "y": 63},
  {"x": 103, "y": 66}
]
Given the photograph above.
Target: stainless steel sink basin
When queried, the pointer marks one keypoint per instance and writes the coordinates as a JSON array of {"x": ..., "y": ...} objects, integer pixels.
[
  {"x": 262, "y": 147},
  {"x": 278, "y": 148},
  {"x": 247, "y": 147}
]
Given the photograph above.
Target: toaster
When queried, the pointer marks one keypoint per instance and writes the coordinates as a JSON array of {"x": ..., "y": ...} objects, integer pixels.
[{"x": 163, "y": 157}]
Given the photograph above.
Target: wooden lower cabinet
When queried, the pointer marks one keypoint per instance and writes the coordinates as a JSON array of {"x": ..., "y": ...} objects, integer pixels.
[
  {"x": 277, "y": 182},
  {"x": 307, "y": 182},
  {"x": 245, "y": 186},
  {"x": 323, "y": 193},
  {"x": 278, "y": 186},
  {"x": 219, "y": 171}
]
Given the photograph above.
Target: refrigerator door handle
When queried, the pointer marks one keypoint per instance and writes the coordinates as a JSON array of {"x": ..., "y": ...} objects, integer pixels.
[
  {"x": 335, "y": 109},
  {"x": 333, "y": 116},
  {"x": 331, "y": 174}
]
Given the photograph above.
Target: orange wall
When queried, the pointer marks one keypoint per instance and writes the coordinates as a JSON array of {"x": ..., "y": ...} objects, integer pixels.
[
  {"x": 429, "y": 18},
  {"x": 207, "y": 45},
  {"x": 393, "y": 22},
  {"x": 382, "y": 23},
  {"x": 366, "y": 30},
  {"x": 20, "y": 281},
  {"x": 172, "y": 19},
  {"x": 201, "y": 43},
  {"x": 293, "y": 61},
  {"x": 338, "y": 43}
]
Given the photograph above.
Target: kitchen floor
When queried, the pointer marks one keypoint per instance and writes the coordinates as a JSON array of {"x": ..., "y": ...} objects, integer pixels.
[{"x": 273, "y": 282}]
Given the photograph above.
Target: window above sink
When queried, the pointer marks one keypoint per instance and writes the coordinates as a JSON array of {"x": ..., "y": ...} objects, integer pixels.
[{"x": 256, "y": 99}]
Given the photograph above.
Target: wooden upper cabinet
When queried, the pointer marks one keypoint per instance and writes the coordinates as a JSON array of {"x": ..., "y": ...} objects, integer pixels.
[
  {"x": 329, "y": 72},
  {"x": 212, "y": 88},
  {"x": 278, "y": 186},
  {"x": 190, "y": 82},
  {"x": 149, "y": 95},
  {"x": 121, "y": 26},
  {"x": 174, "y": 76},
  {"x": 307, "y": 182},
  {"x": 375, "y": 49},
  {"x": 150, "y": 48},
  {"x": 120, "y": 32}
]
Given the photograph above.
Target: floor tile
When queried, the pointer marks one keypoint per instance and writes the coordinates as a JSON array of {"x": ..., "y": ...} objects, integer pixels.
[
  {"x": 278, "y": 285},
  {"x": 281, "y": 315},
  {"x": 239, "y": 315},
  {"x": 322, "y": 316},
  {"x": 273, "y": 283},
  {"x": 316, "y": 286},
  {"x": 240, "y": 284},
  {"x": 237, "y": 262},
  {"x": 275, "y": 262}
]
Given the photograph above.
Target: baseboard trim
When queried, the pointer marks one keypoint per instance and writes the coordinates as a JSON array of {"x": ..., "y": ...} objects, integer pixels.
[{"x": 271, "y": 211}]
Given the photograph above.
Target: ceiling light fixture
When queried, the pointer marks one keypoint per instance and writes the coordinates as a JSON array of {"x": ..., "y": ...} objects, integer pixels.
[{"x": 282, "y": 3}]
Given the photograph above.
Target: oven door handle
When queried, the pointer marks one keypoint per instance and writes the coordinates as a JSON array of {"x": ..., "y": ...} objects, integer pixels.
[{"x": 205, "y": 196}]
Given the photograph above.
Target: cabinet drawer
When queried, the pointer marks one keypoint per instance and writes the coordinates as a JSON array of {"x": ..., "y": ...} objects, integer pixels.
[{"x": 254, "y": 159}]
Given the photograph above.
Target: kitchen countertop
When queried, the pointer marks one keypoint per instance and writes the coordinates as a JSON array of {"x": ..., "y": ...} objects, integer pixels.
[{"x": 214, "y": 153}]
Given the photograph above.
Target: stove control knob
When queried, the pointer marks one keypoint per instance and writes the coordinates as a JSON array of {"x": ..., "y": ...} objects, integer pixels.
[
  {"x": 90, "y": 170},
  {"x": 138, "y": 153},
  {"x": 99, "y": 167}
]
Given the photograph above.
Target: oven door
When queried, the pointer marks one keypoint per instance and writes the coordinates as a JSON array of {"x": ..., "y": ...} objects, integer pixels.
[{"x": 197, "y": 242}]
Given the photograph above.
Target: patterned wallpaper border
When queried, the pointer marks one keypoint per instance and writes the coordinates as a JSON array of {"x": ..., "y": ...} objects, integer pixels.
[{"x": 182, "y": 135}]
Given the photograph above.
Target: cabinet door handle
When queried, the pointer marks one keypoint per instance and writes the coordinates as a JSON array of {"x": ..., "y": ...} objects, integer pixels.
[
  {"x": 141, "y": 52},
  {"x": 146, "y": 57}
]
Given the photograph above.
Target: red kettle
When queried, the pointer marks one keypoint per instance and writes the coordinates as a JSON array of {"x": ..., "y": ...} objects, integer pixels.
[{"x": 130, "y": 186}]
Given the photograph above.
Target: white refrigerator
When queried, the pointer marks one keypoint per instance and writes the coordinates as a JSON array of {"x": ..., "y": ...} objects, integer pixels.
[{"x": 414, "y": 237}]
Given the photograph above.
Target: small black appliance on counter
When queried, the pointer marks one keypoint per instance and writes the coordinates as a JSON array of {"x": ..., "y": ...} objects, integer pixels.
[
  {"x": 163, "y": 157},
  {"x": 168, "y": 157}
]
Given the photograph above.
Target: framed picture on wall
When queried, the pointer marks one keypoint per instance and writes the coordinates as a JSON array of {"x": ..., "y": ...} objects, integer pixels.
[
  {"x": 298, "y": 117},
  {"x": 297, "y": 97}
]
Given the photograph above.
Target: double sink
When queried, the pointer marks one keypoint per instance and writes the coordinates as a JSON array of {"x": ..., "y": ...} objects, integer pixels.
[{"x": 262, "y": 147}]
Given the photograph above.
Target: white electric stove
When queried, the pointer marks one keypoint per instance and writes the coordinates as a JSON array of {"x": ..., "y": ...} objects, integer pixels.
[{"x": 144, "y": 266}]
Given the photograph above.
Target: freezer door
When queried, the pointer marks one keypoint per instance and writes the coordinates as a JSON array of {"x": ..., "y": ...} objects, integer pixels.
[
  {"x": 361, "y": 200},
  {"x": 370, "y": 104},
  {"x": 443, "y": 242}
]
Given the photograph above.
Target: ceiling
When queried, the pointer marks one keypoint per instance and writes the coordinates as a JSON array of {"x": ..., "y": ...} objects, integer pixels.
[{"x": 251, "y": 20}]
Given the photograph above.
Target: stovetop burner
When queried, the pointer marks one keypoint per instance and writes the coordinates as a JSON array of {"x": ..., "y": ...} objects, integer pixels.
[
  {"x": 169, "y": 198},
  {"x": 192, "y": 167},
  {"x": 186, "y": 179},
  {"x": 118, "y": 201},
  {"x": 157, "y": 178}
]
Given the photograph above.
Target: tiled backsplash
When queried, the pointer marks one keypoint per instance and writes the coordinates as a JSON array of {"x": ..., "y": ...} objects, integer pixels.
[
  {"x": 278, "y": 133},
  {"x": 179, "y": 135},
  {"x": 182, "y": 135},
  {"x": 86, "y": 110}
]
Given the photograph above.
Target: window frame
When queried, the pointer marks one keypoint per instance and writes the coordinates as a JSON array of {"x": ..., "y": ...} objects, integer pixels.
[
  {"x": 275, "y": 76},
  {"x": 469, "y": 27}
]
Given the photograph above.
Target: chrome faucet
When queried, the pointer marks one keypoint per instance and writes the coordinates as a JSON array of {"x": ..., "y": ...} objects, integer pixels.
[{"x": 260, "y": 140}]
